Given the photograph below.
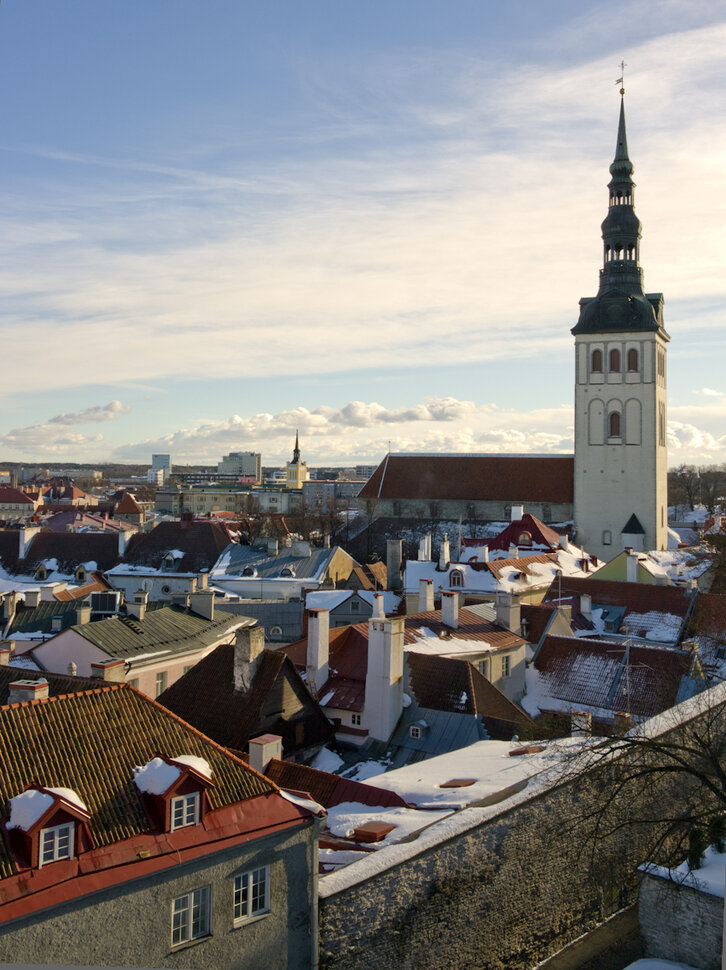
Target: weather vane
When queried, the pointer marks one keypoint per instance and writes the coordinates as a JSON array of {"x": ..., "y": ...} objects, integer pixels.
[{"x": 620, "y": 80}]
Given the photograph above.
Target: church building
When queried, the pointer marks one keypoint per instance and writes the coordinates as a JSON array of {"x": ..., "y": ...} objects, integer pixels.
[{"x": 620, "y": 486}]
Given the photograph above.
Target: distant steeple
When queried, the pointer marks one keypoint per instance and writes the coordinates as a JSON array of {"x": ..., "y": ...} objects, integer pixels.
[{"x": 296, "y": 451}]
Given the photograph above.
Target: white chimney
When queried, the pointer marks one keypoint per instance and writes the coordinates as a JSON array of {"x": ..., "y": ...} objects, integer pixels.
[
  {"x": 425, "y": 595},
  {"x": 316, "y": 659},
  {"x": 444, "y": 553},
  {"x": 517, "y": 513},
  {"x": 25, "y": 538},
  {"x": 6, "y": 649},
  {"x": 72, "y": 668},
  {"x": 202, "y": 580},
  {"x": 580, "y": 724},
  {"x": 249, "y": 645},
  {"x": 35, "y": 596},
  {"x": 631, "y": 566},
  {"x": 124, "y": 537},
  {"x": 20, "y": 691},
  {"x": 513, "y": 551},
  {"x": 202, "y": 604},
  {"x": 509, "y": 611},
  {"x": 301, "y": 548},
  {"x": 586, "y": 605},
  {"x": 424, "y": 549},
  {"x": 450, "y": 610},
  {"x": 47, "y": 593},
  {"x": 485, "y": 554},
  {"x": 378, "y": 610},
  {"x": 384, "y": 677},
  {"x": 564, "y": 543},
  {"x": 137, "y": 607},
  {"x": 263, "y": 749}
]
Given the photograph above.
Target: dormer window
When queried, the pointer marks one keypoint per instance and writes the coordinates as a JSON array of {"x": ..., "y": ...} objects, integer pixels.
[
  {"x": 41, "y": 573},
  {"x": 56, "y": 843},
  {"x": 415, "y": 732},
  {"x": 81, "y": 575},
  {"x": 248, "y": 571},
  {"x": 456, "y": 578},
  {"x": 185, "y": 810},
  {"x": 525, "y": 539},
  {"x": 287, "y": 571}
]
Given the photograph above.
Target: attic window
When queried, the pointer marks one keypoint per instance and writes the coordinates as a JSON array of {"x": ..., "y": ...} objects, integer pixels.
[
  {"x": 248, "y": 571},
  {"x": 287, "y": 571},
  {"x": 185, "y": 810},
  {"x": 355, "y": 606},
  {"x": 81, "y": 575},
  {"x": 41, "y": 573},
  {"x": 415, "y": 732},
  {"x": 525, "y": 539},
  {"x": 56, "y": 843},
  {"x": 456, "y": 578}
]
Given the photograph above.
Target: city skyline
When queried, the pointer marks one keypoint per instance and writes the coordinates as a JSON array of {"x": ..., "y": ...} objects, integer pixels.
[{"x": 373, "y": 225}]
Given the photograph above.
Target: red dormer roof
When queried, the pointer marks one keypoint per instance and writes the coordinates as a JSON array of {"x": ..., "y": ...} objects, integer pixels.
[{"x": 538, "y": 534}]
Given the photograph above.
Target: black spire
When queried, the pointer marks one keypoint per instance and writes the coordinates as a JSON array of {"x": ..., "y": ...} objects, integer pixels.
[
  {"x": 296, "y": 452},
  {"x": 620, "y": 304}
]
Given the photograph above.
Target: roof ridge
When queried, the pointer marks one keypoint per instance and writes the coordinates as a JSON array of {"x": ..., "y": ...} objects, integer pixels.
[{"x": 56, "y": 697}]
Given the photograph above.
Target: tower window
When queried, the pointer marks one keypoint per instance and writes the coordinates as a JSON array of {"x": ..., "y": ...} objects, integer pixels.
[
  {"x": 632, "y": 359},
  {"x": 597, "y": 361},
  {"x": 607, "y": 537},
  {"x": 614, "y": 360},
  {"x": 614, "y": 421}
]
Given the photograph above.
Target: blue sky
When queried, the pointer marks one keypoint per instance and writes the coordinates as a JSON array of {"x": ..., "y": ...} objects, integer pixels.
[{"x": 372, "y": 221}]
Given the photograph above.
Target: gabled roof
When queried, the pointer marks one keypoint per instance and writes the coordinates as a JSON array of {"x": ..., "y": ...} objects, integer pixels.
[
  {"x": 58, "y": 684},
  {"x": 505, "y": 478},
  {"x": 205, "y": 696},
  {"x": 91, "y": 742},
  {"x": 69, "y": 550},
  {"x": 238, "y": 558},
  {"x": 128, "y": 506},
  {"x": 540, "y": 534},
  {"x": 39, "y": 619},
  {"x": 608, "y": 676},
  {"x": 201, "y": 542},
  {"x": 328, "y": 789},
  {"x": 13, "y": 496},
  {"x": 171, "y": 629}
]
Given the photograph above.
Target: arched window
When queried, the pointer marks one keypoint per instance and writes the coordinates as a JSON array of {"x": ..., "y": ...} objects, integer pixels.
[
  {"x": 525, "y": 539},
  {"x": 597, "y": 361},
  {"x": 614, "y": 360},
  {"x": 607, "y": 537},
  {"x": 632, "y": 359},
  {"x": 456, "y": 578},
  {"x": 614, "y": 425}
]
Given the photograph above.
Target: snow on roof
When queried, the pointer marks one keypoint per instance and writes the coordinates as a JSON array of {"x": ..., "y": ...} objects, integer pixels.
[
  {"x": 345, "y": 818},
  {"x": 327, "y": 760},
  {"x": 156, "y": 776},
  {"x": 31, "y": 805},
  {"x": 198, "y": 764},
  {"x": 426, "y": 641},
  {"x": 309, "y": 804},
  {"x": 660, "y": 627},
  {"x": 391, "y": 602},
  {"x": 708, "y": 879},
  {"x": 327, "y": 599}
]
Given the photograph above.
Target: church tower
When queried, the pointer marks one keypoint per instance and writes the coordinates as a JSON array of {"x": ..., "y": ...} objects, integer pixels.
[
  {"x": 297, "y": 471},
  {"x": 620, "y": 388}
]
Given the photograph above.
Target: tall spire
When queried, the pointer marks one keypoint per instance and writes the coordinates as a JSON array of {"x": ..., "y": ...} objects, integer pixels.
[
  {"x": 621, "y": 227},
  {"x": 296, "y": 452}
]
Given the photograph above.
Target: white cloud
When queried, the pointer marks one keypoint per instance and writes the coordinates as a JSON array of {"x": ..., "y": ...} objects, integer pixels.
[
  {"x": 98, "y": 412},
  {"x": 52, "y": 437},
  {"x": 709, "y": 392}
]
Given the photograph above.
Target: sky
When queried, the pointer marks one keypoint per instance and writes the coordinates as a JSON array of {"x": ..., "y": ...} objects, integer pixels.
[{"x": 371, "y": 221}]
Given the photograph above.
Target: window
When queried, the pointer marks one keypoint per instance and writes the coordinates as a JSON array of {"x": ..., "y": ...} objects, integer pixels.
[
  {"x": 607, "y": 537},
  {"x": 251, "y": 894},
  {"x": 190, "y": 916},
  {"x": 524, "y": 539},
  {"x": 614, "y": 360},
  {"x": 355, "y": 606},
  {"x": 187, "y": 668},
  {"x": 56, "y": 843},
  {"x": 456, "y": 578},
  {"x": 506, "y": 666},
  {"x": 160, "y": 683},
  {"x": 133, "y": 683},
  {"x": 632, "y": 359},
  {"x": 614, "y": 423},
  {"x": 596, "y": 361},
  {"x": 185, "y": 810},
  {"x": 355, "y": 720},
  {"x": 415, "y": 731}
]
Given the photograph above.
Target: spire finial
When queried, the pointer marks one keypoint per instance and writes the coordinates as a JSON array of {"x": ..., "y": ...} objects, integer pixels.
[{"x": 621, "y": 79}]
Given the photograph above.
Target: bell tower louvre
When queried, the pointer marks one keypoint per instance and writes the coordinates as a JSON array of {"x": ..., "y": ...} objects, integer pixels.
[{"x": 620, "y": 492}]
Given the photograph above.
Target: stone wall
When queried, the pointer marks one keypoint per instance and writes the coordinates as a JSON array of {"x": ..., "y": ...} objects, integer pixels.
[
  {"x": 681, "y": 924},
  {"x": 499, "y": 887}
]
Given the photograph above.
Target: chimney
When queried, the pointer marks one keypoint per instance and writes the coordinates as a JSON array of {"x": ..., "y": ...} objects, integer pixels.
[
  {"x": 444, "y": 552},
  {"x": 384, "y": 677},
  {"x": 33, "y": 597},
  {"x": 110, "y": 670},
  {"x": 326, "y": 541},
  {"x": 124, "y": 536},
  {"x": 509, "y": 611},
  {"x": 425, "y": 595},
  {"x": 450, "y": 610},
  {"x": 393, "y": 563},
  {"x": 47, "y": 593},
  {"x": 6, "y": 650},
  {"x": 72, "y": 668},
  {"x": 586, "y": 606},
  {"x": 316, "y": 658},
  {"x": 83, "y": 614},
  {"x": 248, "y": 647},
  {"x": 513, "y": 551},
  {"x": 621, "y": 722},
  {"x": 10, "y": 601},
  {"x": 25, "y": 538},
  {"x": 378, "y": 610},
  {"x": 485, "y": 554},
  {"x": 564, "y": 543},
  {"x": 20, "y": 691},
  {"x": 424, "y": 548},
  {"x": 631, "y": 566},
  {"x": 202, "y": 604},
  {"x": 263, "y": 749},
  {"x": 517, "y": 513},
  {"x": 301, "y": 548},
  {"x": 580, "y": 724},
  {"x": 202, "y": 580},
  {"x": 137, "y": 608},
  {"x": 272, "y": 547}
]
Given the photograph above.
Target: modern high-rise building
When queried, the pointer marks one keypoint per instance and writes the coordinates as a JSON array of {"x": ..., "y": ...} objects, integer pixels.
[
  {"x": 243, "y": 464},
  {"x": 161, "y": 463}
]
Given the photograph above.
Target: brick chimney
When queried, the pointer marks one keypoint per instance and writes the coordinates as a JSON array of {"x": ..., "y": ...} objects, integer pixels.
[
  {"x": 450, "y": 610},
  {"x": 6, "y": 650},
  {"x": 202, "y": 580},
  {"x": 316, "y": 658},
  {"x": 384, "y": 677},
  {"x": 248, "y": 647},
  {"x": 425, "y": 595},
  {"x": 20, "y": 691},
  {"x": 622, "y": 722},
  {"x": 109, "y": 670}
]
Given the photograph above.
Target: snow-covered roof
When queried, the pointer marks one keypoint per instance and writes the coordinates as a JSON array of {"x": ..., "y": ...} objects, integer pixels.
[
  {"x": 709, "y": 878},
  {"x": 158, "y": 775},
  {"x": 27, "y": 808}
]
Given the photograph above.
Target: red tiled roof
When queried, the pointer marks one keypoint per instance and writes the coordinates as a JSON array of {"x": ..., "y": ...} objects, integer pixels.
[
  {"x": 635, "y": 597},
  {"x": 13, "y": 496},
  {"x": 473, "y": 478},
  {"x": 540, "y": 534},
  {"x": 593, "y": 673},
  {"x": 128, "y": 506}
]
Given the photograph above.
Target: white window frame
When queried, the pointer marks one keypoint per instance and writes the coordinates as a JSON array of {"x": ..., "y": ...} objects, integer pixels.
[
  {"x": 191, "y": 916},
  {"x": 251, "y": 898},
  {"x": 184, "y": 810},
  {"x": 356, "y": 720},
  {"x": 506, "y": 666},
  {"x": 160, "y": 683},
  {"x": 415, "y": 732},
  {"x": 61, "y": 841}
]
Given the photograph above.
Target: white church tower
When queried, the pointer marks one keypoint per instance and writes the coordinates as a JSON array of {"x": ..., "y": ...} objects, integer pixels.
[{"x": 620, "y": 389}]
